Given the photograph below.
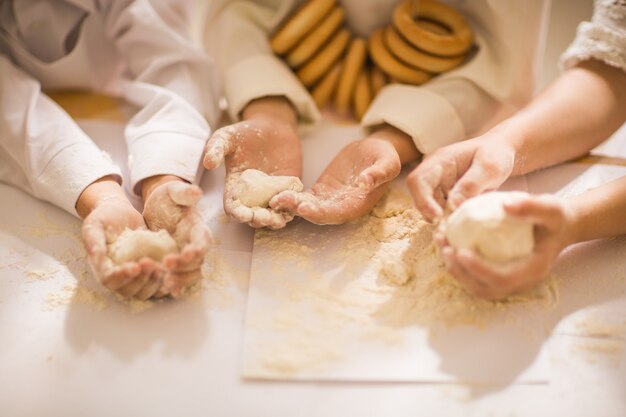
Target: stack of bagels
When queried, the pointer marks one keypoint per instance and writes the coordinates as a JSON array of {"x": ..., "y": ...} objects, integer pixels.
[{"x": 425, "y": 38}]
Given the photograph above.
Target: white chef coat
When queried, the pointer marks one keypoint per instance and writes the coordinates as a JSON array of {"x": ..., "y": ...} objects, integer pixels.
[
  {"x": 120, "y": 47},
  {"x": 497, "y": 81}
]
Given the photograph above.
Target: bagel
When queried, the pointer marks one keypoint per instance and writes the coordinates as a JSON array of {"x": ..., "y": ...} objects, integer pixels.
[
  {"x": 309, "y": 15},
  {"x": 390, "y": 65},
  {"x": 314, "y": 40},
  {"x": 362, "y": 95},
  {"x": 457, "y": 42},
  {"x": 321, "y": 63},
  {"x": 378, "y": 80},
  {"x": 324, "y": 90},
  {"x": 406, "y": 53},
  {"x": 353, "y": 66}
]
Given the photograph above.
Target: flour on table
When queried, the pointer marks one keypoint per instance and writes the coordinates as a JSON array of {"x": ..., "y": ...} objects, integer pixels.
[
  {"x": 365, "y": 280},
  {"x": 480, "y": 224},
  {"x": 255, "y": 188},
  {"x": 132, "y": 245}
]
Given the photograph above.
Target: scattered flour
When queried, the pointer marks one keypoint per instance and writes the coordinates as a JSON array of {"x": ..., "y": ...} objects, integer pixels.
[{"x": 366, "y": 280}]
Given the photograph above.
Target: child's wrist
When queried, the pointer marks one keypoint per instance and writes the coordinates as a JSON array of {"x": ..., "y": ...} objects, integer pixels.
[
  {"x": 149, "y": 184},
  {"x": 402, "y": 143},
  {"x": 277, "y": 108},
  {"x": 96, "y": 193}
]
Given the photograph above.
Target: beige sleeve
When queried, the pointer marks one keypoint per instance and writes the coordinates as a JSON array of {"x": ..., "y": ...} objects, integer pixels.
[
  {"x": 237, "y": 35},
  {"x": 497, "y": 81}
]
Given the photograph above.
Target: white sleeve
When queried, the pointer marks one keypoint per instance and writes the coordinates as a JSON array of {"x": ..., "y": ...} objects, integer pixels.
[
  {"x": 174, "y": 83},
  {"x": 237, "y": 34},
  {"x": 604, "y": 38},
  {"x": 495, "y": 83},
  {"x": 42, "y": 150}
]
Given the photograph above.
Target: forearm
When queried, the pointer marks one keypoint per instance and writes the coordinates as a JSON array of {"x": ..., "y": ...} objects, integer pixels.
[
  {"x": 576, "y": 113},
  {"x": 599, "y": 213}
]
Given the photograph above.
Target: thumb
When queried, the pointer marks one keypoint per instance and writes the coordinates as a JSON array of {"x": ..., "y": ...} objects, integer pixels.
[
  {"x": 218, "y": 147},
  {"x": 184, "y": 194},
  {"x": 475, "y": 181},
  {"x": 379, "y": 173}
]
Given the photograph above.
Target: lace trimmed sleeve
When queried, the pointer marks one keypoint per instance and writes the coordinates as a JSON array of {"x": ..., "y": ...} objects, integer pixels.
[{"x": 604, "y": 38}]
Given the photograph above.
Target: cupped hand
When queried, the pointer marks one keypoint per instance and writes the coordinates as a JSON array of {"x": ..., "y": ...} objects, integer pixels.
[
  {"x": 173, "y": 206},
  {"x": 102, "y": 226},
  {"x": 459, "y": 171},
  {"x": 265, "y": 142},
  {"x": 349, "y": 187},
  {"x": 553, "y": 232}
]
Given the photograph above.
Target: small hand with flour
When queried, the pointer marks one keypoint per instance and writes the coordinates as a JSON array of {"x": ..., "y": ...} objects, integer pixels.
[
  {"x": 171, "y": 205},
  {"x": 266, "y": 140},
  {"x": 460, "y": 171},
  {"x": 553, "y": 223},
  {"x": 107, "y": 213},
  {"x": 349, "y": 187}
]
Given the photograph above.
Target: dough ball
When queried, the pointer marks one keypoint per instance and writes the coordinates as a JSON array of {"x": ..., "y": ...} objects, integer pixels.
[
  {"x": 132, "y": 245},
  {"x": 481, "y": 224},
  {"x": 255, "y": 188}
]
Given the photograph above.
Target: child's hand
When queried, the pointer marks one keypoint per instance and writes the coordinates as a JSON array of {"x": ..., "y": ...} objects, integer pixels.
[
  {"x": 349, "y": 187},
  {"x": 459, "y": 171},
  {"x": 172, "y": 206},
  {"x": 553, "y": 232},
  {"x": 267, "y": 140},
  {"x": 104, "y": 223}
]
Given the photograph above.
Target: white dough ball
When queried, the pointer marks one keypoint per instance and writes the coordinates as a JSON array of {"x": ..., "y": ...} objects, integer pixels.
[
  {"x": 481, "y": 225},
  {"x": 255, "y": 188},
  {"x": 132, "y": 245}
]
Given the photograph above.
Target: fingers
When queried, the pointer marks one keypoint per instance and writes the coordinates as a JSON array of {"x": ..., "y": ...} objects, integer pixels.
[
  {"x": 178, "y": 282},
  {"x": 152, "y": 286},
  {"x": 184, "y": 194},
  {"x": 94, "y": 237},
  {"x": 218, "y": 147},
  {"x": 381, "y": 172},
  {"x": 117, "y": 277},
  {"x": 424, "y": 184},
  {"x": 544, "y": 210},
  {"x": 482, "y": 175},
  {"x": 255, "y": 216},
  {"x": 305, "y": 205},
  {"x": 495, "y": 282}
]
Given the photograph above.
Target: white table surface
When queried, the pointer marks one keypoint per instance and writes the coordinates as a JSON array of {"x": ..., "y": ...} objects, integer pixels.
[{"x": 63, "y": 353}]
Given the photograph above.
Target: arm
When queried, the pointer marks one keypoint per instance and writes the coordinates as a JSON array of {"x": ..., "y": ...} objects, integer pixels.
[
  {"x": 173, "y": 83},
  {"x": 497, "y": 81},
  {"x": 576, "y": 113},
  {"x": 236, "y": 34},
  {"x": 42, "y": 149}
]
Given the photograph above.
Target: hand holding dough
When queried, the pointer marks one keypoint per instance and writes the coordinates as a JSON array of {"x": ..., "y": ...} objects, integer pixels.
[
  {"x": 255, "y": 188},
  {"x": 248, "y": 194},
  {"x": 133, "y": 245},
  {"x": 482, "y": 225}
]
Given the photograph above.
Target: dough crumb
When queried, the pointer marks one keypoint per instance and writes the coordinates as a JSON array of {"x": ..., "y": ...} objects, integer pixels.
[
  {"x": 132, "y": 245},
  {"x": 480, "y": 224},
  {"x": 255, "y": 188}
]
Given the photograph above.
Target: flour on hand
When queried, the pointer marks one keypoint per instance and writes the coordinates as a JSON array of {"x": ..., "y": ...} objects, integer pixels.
[
  {"x": 481, "y": 225},
  {"x": 132, "y": 245},
  {"x": 255, "y": 188}
]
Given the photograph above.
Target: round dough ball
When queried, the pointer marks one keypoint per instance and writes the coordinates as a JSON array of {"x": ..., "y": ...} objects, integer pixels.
[
  {"x": 255, "y": 188},
  {"x": 132, "y": 245},
  {"x": 481, "y": 225}
]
